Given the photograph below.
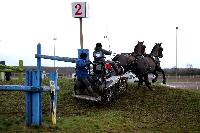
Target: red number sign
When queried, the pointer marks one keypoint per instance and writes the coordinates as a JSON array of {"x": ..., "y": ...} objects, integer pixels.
[{"x": 79, "y": 9}]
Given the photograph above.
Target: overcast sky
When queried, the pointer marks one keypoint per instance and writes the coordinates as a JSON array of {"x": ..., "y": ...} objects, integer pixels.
[{"x": 25, "y": 23}]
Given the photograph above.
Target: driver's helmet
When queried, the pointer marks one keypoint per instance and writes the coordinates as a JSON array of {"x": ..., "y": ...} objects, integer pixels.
[
  {"x": 98, "y": 45},
  {"x": 83, "y": 55}
]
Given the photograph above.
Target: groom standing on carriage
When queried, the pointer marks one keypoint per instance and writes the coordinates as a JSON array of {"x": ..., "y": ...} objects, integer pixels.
[{"x": 99, "y": 55}]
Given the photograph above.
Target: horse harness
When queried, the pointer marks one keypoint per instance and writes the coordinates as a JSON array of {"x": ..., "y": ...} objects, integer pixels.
[{"x": 155, "y": 59}]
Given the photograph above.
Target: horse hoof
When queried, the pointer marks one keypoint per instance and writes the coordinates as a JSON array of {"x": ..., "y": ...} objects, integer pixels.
[
  {"x": 164, "y": 82},
  {"x": 151, "y": 89},
  {"x": 154, "y": 80},
  {"x": 148, "y": 83},
  {"x": 140, "y": 84}
]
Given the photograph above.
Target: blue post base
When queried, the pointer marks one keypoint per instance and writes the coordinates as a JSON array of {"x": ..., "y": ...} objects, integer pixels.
[{"x": 33, "y": 101}]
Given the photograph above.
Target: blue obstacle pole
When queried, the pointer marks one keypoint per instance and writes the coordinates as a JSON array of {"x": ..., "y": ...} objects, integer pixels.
[
  {"x": 17, "y": 88},
  {"x": 53, "y": 79},
  {"x": 39, "y": 56},
  {"x": 24, "y": 88},
  {"x": 65, "y": 59}
]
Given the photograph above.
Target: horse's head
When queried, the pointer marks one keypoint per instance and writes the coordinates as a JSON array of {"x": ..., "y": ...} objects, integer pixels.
[
  {"x": 139, "y": 48},
  {"x": 157, "y": 50},
  {"x": 160, "y": 50},
  {"x": 140, "y": 43}
]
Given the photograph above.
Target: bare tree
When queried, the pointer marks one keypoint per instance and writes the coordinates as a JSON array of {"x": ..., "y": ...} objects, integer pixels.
[{"x": 190, "y": 69}]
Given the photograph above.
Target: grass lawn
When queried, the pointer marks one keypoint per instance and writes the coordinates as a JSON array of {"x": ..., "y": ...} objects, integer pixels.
[{"x": 138, "y": 110}]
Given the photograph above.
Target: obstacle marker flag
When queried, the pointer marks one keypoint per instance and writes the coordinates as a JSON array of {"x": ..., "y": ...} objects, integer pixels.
[{"x": 53, "y": 101}]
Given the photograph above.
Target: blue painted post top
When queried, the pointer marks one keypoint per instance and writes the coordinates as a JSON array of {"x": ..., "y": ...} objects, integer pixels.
[{"x": 83, "y": 51}]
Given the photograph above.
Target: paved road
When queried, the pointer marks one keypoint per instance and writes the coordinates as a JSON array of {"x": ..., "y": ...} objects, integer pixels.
[
  {"x": 184, "y": 85},
  {"x": 179, "y": 85}
]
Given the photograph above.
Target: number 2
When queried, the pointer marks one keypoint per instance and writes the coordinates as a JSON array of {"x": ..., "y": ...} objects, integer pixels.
[{"x": 78, "y": 7}]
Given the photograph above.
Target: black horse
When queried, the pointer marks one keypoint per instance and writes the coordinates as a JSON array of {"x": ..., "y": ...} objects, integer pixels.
[
  {"x": 125, "y": 60},
  {"x": 142, "y": 64},
  {"x": 149, "y": 64},
  {"x": 139, "y": 49}
]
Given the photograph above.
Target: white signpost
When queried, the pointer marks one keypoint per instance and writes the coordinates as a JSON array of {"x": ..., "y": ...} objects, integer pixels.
[{"x": 79, "y": 10}]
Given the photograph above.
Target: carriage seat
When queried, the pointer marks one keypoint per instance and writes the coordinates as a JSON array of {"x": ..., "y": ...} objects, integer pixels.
[{"x": 98, "y": 67}]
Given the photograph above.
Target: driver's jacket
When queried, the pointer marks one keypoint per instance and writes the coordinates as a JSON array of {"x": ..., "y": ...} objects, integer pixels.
[
  {"x": 99, "y": 54},
  {"x": 81, "y": 68}
]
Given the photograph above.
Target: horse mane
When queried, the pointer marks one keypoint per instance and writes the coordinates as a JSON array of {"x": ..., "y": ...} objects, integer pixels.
[
  {"x": 154, "y": 51},
  {"x": 150, "y": 56},
  {"x": 126, "y": 54}
]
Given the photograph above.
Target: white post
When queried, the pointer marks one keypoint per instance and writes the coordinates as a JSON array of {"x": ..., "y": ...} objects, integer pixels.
[
  {"x": 81, "y": 33},
  {"x": 176, "y": 52},
  {"x": 54, "y": 51}
]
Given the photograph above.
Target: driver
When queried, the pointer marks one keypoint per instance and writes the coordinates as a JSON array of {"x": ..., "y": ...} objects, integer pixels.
[
  {"x": 82, "y": 72},
  {"x": 99, "y": 55}
]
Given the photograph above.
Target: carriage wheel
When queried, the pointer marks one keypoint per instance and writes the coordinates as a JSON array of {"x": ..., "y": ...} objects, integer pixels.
[
  {"x": 108, "y": 95},
  {"x": 78, "y": 91},
  {"x": 123, "y": 85}
]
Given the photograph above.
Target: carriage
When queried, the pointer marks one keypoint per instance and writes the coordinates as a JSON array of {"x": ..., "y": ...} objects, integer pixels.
[{"x": 105, "y": 84}]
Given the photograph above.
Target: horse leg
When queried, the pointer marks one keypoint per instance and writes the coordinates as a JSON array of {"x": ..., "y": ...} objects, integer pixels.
[
  {"x": 155, "y": 79},
  {"x": 163, "y": 73},
  {"x": 147, "y": 83},
  {"x": 164, "y": 78},
  {"x": 140, "y": 81}
]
